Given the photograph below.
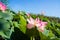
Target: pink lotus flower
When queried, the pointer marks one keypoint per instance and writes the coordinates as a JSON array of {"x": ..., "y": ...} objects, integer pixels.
[
  {"x": 2, "y": 6},
  {"x": 38, "y": 23}
]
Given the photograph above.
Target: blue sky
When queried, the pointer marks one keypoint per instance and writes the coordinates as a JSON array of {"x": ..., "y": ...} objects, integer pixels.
[{"x": 52, "y": 7}]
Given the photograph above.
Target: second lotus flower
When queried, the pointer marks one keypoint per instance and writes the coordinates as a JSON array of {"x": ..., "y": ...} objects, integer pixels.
[
  {"x": 2, "y": 6},
  {"x": 36, "y": 22}
]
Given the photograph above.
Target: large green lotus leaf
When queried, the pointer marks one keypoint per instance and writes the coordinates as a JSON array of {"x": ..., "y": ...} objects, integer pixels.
[
  {"x": 55, "y": 38},
  {"x": 46, "y": 32},
  {"x": 22, "y": 24},
  {"x": 16, "y": 24},
  {"x": 4, "y": 24},
  {"x": 5, "y": 30},
  {"x": 51, "y": 35},
  {"x": 7, "y": 16},
  {"x": 43, "y": 36},
  {"x": 3, "y": 35},
  {"x": 6, "y": 34}
]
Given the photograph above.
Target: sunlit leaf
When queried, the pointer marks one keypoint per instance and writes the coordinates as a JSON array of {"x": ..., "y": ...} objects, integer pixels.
[{"x": 22, "y": 24}]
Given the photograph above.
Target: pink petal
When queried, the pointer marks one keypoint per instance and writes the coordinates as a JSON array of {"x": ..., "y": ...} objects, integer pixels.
[
  {"x": 37, "y": 20},
  {"x": 42, "y": 26},
  {"x": 2, "y": 6},
  {"x": 30, "y": 26},
  {"x": 41, "y": 29},
  {"x": 30, "y": 20},
  {"x": 43, "y": 23}
]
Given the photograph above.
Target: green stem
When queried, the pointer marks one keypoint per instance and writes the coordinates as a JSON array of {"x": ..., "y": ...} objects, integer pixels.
[{"x": 32, "y": 38}]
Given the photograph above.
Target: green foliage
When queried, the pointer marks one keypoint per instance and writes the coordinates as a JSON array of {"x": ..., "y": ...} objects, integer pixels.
[
  {"x": 9, "y": 20},
  {"x": 6, "y": 16},
  {"x": 6, "y": 28}
]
